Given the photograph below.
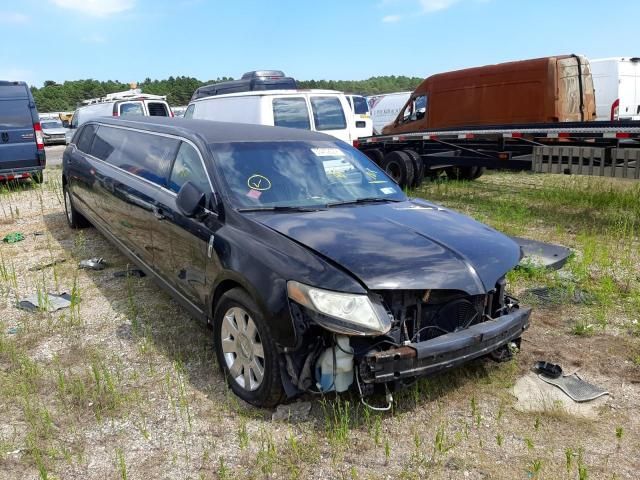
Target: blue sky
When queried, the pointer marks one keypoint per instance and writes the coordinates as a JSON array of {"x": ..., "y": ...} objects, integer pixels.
[{"x": 129, "y": 40}]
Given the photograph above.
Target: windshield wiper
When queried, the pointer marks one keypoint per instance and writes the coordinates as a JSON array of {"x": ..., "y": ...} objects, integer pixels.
[
  {"x": 283, "y": 208},
  {"x": 364, "y": 200}
]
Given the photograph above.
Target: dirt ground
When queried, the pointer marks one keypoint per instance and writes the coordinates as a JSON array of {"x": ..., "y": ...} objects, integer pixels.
[{"x": 124, "y": 384}]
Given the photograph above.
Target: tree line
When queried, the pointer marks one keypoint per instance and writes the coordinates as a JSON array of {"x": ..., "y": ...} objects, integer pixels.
[{"x": 57, "y": 97}]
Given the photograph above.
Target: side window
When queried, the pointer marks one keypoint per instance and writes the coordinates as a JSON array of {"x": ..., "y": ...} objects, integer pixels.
[
  {"x": 188, "y": 113},
  {"x": 291, "y": 112},
  {"x": 85, "y": 138},
  {"x": 132, "y": 108},
  {"x": 74, "y": 120},
  {"x": 157, "y": 109},
  {"x": 143, "y": 154},
  {"x": 415, "y": 109},
  {"x": 360, "y": 106},
  {"x": 328, "y": 113},
  {"x": 188, "y": 167}
]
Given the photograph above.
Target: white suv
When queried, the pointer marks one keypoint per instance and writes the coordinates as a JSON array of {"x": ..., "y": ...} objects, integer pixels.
[{"x": 325, "y": 111}]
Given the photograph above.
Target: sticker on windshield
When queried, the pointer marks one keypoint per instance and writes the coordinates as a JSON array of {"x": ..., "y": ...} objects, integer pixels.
[
  {"x": 259, "y": 182},
  {"x": 327, "y": 152},
  {"x": 372, "y": 174},
  {"x": 255, "y": 194},
  {"x": 387, "y": 190}
]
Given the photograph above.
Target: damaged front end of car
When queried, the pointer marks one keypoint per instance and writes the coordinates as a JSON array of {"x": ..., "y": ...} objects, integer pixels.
[{"x": 383, "y": 341}]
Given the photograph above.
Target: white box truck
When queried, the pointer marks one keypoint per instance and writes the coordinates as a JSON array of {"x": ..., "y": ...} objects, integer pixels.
[{"x": 617, "y": 84}]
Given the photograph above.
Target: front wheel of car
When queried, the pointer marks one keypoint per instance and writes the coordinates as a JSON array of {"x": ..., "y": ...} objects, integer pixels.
[
  {"x": 74, "y": 218},
  {"x": 245, "y": 350}
]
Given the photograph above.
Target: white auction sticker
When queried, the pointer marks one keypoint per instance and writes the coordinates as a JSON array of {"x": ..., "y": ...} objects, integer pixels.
[
  {"x": 327, "y": 152},
  {"x": 387, "y": 190}
]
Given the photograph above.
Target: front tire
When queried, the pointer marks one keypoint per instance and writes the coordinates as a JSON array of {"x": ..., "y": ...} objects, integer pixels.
[
  {"x": 74, "y": 218},
  {"x": 246, "y": 351}
]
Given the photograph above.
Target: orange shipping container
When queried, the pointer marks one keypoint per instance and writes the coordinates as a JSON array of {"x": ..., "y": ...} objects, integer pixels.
[{"x": 541, "y": 90}]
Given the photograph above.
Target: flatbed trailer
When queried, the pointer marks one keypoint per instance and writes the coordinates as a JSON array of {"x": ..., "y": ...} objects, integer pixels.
[{"x": 586, "y": 148}]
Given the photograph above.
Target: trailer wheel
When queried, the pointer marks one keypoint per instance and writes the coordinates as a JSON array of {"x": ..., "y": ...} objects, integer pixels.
[
  {"x": 399, "y": 166},
  {"x": 464, "y": 173},
  {"x": 418, "y": 167},
  {"x": 375, "y": 155}
]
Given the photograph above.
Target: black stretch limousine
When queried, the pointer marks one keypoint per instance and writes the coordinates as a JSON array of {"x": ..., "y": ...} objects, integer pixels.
[{"x": 315, "y": 270}]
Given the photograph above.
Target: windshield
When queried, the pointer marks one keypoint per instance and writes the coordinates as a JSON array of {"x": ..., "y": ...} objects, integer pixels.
[
  {"x": 51, "y": 124},
  {"x": 300, "y": 174}
]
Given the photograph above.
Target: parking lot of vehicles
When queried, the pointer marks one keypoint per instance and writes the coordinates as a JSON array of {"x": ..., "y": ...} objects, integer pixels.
[
  {"x": 21, "y": 140},
  {"x": 325, "y": 111}
]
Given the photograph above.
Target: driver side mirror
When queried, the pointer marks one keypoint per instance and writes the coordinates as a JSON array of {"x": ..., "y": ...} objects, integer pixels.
[{"x": 191, "y": 200}]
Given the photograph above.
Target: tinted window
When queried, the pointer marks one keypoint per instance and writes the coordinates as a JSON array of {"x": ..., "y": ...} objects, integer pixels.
[
  {"x": 295, "y": 173},
  {"x": 51, "y": 124},
  {"x": 188, "y": 167},
  {"x": 157, "y": 109},
  {"x": 327, "y": 113},
  {"x": 188, "y": 113},
  {"x": 142, "y": 154},
  {"x": 131, "y": 109},
  {"x": 360, "y": 106},
  {"x": 291, "y": 112},
  {"x": 15, "y": 113},
  {"x": 85, "y": 138}
]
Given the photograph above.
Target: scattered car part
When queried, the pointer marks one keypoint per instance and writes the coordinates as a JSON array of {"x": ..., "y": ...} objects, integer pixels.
[
  {"x": 548, "y": 369},
  {"x": 130, "y": 272},
  {"x": 13, "y": 237},
  {"x": 575, "y": 387},
  {"x": 47, "y": 302},
  {"x": 42, "y": 266},
  {"x": 542, "y": 254},
  {"x": 95, "y": 263}
]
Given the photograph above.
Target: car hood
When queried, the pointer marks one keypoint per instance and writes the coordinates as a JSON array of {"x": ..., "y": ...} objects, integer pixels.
[
  {"x": 408, "y": 245},
  {"x": 54, "y": 131}
]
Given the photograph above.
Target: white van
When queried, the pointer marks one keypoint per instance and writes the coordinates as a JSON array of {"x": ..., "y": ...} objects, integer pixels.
[
  {"x": 360, "y": 108},
  {"x": 385, "y": 108},
  {"x": 617, "y": 84},
  {"x": 325, "y": 111},
  {"x": 119, "y": 104}
]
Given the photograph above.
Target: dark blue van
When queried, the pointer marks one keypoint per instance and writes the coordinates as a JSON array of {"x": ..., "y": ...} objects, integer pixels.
[{"x": 21, "y": 142}]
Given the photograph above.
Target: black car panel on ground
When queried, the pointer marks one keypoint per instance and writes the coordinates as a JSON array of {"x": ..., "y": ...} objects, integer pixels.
[{"x": 315, "y": 270}]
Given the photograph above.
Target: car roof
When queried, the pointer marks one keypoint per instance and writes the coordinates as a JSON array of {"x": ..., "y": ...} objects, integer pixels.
[
  {"x": 269, "y": 93},
  {"x": 216, "y": 132}
]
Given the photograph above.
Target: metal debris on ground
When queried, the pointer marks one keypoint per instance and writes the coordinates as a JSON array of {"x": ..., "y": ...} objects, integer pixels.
[
  {"x": 575, "y": 387},
  {"x": 13, "y": 237},
  {"x": 292, "y": 413},
  {"x": 542, "y": 254},
  {"x": 96, "y": 263},
  {"x": 558, "y": 295},
  {"x": 130, "y": 272},
  {"x": 49, "y": 302},
  {"x": 42, "y": 266}
]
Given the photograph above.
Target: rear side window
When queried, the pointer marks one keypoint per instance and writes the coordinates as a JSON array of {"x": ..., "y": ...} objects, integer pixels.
[
  {"x": 328, "y": 113},
  {"x": 291, "y": 112},
  {"x": 85, "y": 138},
  {"x": 143, "y": 154},
  {"x": 15, "y": 114},
  {"x": 360, "y": 106},
  {"x": 157, "y": 109},
  {"x": 131, "y": 109},
  {"x": 188, "y": 113},
  {"x": 188, "y": 168}
]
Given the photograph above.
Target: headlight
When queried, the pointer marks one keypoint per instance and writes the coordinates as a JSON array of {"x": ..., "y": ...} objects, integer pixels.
[{"x": 347, "y": 313}]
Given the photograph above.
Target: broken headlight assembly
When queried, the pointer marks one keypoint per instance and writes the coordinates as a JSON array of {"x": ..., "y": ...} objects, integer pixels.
[{"x": 345, "y": 313}]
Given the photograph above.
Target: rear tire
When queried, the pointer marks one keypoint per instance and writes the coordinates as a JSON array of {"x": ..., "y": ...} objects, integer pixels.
[
  {"x": 246, "y": 351},
  {"x": 418, "y": 167},
  {"x": 375, "y": 155},
  {"x": 74, "y": 218},
  {"x": 399, "y": 166}
]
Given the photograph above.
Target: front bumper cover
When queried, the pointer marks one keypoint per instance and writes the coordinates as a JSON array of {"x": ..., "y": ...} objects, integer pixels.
[{"x": 445, "y": 351}]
